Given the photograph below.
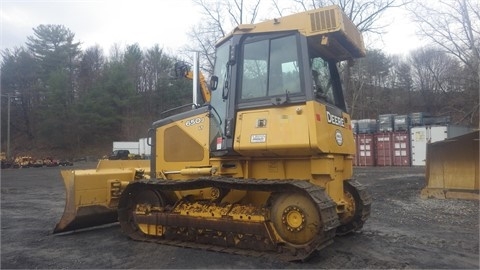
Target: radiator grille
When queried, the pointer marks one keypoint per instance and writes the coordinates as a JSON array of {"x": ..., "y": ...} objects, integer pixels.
[{"x": 324, "y": 20}]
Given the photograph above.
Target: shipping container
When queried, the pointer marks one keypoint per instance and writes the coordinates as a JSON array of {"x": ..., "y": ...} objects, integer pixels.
[
  {"x": 365, "y": 150},
  {"x": 422, "y": 135},
  {"x": 367, "y": 126},
  {"x": 448, "y": 131},
  {"x": 384, "y": 149},
  {"x": 401, "y": 123},
  {"x": 418, "y": 118},
  {"x": 438, "y": 120},
  {"x": 401, "y": 148},
  {"x": 385, "y": 122}
]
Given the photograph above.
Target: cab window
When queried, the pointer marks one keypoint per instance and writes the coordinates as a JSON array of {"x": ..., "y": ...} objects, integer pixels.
[
  {"x": 270, "y": 68},
  {"x": 322, "y": 80}
]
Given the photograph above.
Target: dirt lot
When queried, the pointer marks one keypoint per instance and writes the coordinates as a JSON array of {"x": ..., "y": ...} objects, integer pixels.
[{"x": 403, "y": 231}]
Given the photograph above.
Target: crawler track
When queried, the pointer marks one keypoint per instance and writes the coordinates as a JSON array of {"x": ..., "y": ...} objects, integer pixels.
[
  {"x": 363, "y": 201},
  {"x": 222, "y": 235}
]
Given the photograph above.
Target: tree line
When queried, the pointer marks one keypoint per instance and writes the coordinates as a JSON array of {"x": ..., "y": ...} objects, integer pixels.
[
  {"x": 76, "y": 102},
  {"x": 427, "y": 80},
  {"x": 70, "y": 100}
]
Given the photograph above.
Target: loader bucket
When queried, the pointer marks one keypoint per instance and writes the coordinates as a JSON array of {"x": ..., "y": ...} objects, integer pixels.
[
  {"x": 92, "y": 195},
  {"x": 452, "y": 168}
]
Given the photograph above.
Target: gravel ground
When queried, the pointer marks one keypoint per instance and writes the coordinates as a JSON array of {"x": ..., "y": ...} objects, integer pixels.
[{"x": 403, "y": 231}]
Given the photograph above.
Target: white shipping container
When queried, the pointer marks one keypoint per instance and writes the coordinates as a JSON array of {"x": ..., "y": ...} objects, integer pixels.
[
  {"x": 418, "y": 136},
  {"x": 421, "y": 136}
]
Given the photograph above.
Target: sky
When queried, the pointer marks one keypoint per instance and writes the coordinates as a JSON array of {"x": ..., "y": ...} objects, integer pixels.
[
  {"x": 146, "y": 22},
  {"x": 102, "y": 22}
]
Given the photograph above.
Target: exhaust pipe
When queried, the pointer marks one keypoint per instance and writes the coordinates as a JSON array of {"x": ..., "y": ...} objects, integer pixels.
[{"x": 196, "y": 71}]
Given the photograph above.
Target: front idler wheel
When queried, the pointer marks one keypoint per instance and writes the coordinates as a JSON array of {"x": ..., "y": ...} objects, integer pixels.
[
  {"x": 351, "y": 218},
  {"x": 295, "y": 218}
]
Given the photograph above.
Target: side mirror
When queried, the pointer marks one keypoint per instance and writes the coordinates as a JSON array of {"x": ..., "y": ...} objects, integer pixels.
[
  {"x": 213, "y": 82},
  {"x": 150, "y": 134}
]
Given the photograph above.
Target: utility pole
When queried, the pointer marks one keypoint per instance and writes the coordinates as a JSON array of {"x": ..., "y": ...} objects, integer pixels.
[
  {"x": 8, "y": 96},
  {"x": 8, "y": 126}
]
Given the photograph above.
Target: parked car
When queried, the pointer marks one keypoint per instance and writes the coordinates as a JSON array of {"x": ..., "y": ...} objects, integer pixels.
[
  {"x": 37, "y": 163},
  {"x": 65, "y": 163}
]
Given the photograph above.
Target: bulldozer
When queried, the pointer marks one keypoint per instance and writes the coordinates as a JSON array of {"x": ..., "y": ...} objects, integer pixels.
[{"x": 262, "y": 163}]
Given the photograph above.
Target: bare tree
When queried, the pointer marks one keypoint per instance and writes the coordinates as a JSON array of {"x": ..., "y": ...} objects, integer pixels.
[
  {"x": 368, "y": 77},
  {"x": 437, "y": 78},
  {"x": 220, "y": 17},
  {"x": 278, "y": 7},
  {"x": 401, "y": 83},
  {"x": 203, "y": 38},
  {"x": 454, "y": 26},
  {"x": 240, "y": 14},
  {"x": 366, "y": 15}
]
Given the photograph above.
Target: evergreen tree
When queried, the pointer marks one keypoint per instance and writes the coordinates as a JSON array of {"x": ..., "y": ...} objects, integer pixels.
[{"x": 56, "y": 56}]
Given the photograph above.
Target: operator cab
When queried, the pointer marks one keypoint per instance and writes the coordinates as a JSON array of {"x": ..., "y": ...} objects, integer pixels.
[{"x": 264, "y": 70}]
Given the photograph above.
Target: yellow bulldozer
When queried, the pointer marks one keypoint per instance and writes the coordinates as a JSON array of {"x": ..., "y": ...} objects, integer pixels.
[{"x": 262, "y": 166}]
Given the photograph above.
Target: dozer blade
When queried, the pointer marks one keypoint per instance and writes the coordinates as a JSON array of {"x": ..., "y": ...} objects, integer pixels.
[
  {"x": 452, "y": 168},
  {"x": 92, "y": 195}
]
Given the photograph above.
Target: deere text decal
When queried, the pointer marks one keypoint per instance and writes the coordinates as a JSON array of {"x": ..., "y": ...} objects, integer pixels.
[{"x": 335, "y": 118}]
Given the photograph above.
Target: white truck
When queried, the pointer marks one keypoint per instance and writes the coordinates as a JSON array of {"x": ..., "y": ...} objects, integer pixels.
[{"x": 139, "y": 147}]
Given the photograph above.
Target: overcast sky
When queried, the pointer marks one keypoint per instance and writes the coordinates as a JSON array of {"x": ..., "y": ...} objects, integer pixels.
[{"x": 146, "y": 22}]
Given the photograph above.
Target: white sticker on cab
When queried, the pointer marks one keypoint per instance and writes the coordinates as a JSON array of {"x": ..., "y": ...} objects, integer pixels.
[{"x": 258, "y": 138}]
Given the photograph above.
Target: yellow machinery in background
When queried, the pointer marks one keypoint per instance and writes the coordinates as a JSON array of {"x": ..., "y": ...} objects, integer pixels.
[
  {"x": 452, "y": 168},
  {"x": 263, "y": 167}
]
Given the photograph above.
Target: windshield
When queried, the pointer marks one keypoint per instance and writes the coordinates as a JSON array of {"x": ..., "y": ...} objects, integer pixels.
[{"x": 218, "y": 103}]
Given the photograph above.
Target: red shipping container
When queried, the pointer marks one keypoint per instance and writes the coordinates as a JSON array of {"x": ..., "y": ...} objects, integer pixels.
[
  {"x": 401, "y": 149},
  {"x": 384, "y": 149},
  {"x": 365, "y": 150}
]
